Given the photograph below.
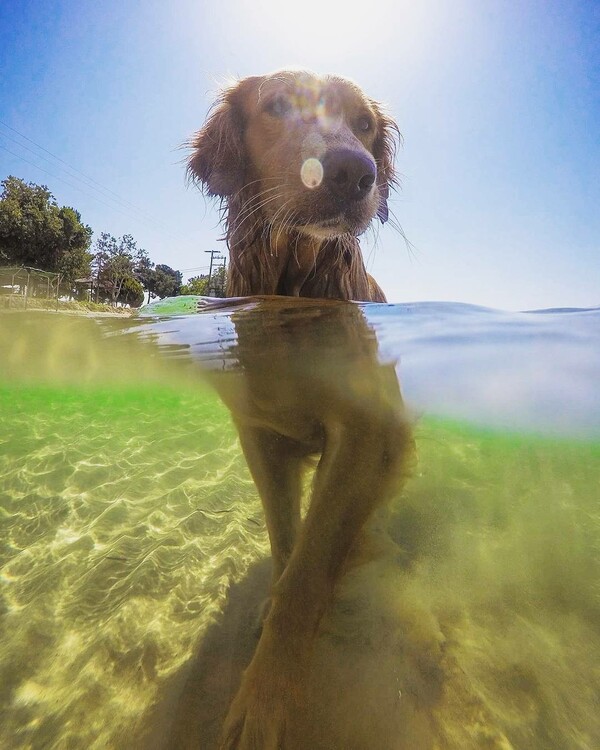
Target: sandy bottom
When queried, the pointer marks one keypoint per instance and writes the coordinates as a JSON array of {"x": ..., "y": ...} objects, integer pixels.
[{"x": 134, "y": 563}]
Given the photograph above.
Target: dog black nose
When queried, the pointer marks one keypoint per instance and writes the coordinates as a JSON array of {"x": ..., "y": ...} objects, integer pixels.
[{"x": 348, "y": 174}]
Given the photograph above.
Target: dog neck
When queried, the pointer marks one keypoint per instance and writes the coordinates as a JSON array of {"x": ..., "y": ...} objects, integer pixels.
[{"x": 275, "y": 260}]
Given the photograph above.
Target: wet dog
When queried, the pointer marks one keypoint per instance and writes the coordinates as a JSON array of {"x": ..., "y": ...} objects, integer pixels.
[{"x": 302, "y": 165}]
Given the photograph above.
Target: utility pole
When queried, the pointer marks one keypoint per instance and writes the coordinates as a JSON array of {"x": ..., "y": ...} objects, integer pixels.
[
  {"x": 214, "y": 254},
  {"x": 98, "y": 277}
]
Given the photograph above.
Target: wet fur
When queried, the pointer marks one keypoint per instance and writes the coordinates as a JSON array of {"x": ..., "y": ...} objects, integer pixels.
[
  {"x": 269, "y": 252},
  {"x": 318, "y": 387}
]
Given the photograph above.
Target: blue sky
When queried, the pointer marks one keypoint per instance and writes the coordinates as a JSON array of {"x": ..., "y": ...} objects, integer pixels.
[{"x": 498, "y": 103}]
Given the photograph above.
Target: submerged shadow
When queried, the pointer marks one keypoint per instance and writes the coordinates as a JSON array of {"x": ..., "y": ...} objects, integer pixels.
[
  {"x": 376, "y": 674},
  {"x": 211, "y": 679}
]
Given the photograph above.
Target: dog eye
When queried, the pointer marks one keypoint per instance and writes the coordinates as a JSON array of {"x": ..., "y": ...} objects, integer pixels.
[
  {"x": 364, "y": 124},
  {"x": 279, "y": 106}
]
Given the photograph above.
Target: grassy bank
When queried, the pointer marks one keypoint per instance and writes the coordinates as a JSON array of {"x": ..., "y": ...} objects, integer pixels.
[{"x": 33, "y": 303}]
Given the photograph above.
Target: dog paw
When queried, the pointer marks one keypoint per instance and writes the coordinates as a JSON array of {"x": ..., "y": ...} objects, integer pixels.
[
  {"x": 256, "y": 721},
  {"x": 269, "y": 697}
]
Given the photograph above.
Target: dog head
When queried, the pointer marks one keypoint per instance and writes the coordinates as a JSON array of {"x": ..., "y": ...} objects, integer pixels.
[{"x": 311, "y": 153}]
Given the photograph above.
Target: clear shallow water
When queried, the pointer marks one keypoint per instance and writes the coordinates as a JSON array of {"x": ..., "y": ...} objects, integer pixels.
[{"x": 132, "y": 542}]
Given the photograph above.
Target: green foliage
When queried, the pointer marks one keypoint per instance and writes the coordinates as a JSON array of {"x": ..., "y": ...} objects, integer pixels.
[
  {"x": 35, "y": 231},
  {"x": 114, "y": 264},
  {"x": 123, "y": 271},
  {"x": 144, "y": 271},
  {"x": 167, "y": 282},
  {"x": 132, "y": 292},
  {"x": 196, "y": 285},
  {"x": 160, "y": 280},
  {"x": 215, "y": 287}
]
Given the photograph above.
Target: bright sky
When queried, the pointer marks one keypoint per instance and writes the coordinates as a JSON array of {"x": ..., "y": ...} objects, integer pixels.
[{"x": 498, "y": 103}]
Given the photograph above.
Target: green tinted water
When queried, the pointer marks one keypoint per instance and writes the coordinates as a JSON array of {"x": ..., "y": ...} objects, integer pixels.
[{"x": 130, "y": 541}]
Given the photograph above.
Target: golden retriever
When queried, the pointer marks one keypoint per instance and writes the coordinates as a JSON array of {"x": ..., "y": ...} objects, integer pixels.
[{"x": 303, "y": 164}]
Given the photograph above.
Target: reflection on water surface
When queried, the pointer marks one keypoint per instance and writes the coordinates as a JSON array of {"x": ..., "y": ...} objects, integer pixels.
[{"x": 134, "y": 554}]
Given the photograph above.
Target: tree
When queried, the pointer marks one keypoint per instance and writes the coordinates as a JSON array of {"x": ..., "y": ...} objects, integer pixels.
[
  {"x": 75, "y": 258},
  {"x": 196, "y": 285},
  {"x": 132, "y": 292},
  {"x": 121, "y": 269},
  {"x": 144, "y": 272},
  {"x": 114, "y": 263},
  {"x": 34, "y": 231},
  {"x": 218, "y": 283},
  {"x": 105, "y": 247},
  {"x": 201, "y": 285},
  {"x": 167, "y": 282}
]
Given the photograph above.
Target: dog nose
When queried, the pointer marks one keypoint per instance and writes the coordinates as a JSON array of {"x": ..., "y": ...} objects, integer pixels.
[{"x": 348, "y": 174}]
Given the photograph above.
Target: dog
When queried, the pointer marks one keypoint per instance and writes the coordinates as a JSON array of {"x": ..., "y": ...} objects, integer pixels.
[{"x": 302, "y": 165}]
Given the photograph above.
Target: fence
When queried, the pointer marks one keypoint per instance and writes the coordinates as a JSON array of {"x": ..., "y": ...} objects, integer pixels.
[{"x": 22, "y": 286}]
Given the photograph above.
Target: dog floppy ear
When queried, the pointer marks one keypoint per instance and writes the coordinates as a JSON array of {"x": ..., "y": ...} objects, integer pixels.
[
  {"x": 218, "y": 159},
  {"x": 384, "y": 151}
]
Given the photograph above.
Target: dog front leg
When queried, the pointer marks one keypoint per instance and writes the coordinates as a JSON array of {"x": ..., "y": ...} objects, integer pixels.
[
  {"x": 276, "y": 468},
  {"x": 363, "y": 462}
]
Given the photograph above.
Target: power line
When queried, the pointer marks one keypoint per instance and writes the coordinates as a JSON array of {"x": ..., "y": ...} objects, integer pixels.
[
  {"x": 200, "y": 268},
  {"x": 74, "y": 177},
  {"x": 62, "y": 179},
  {"x": 74, "y": 169},
  {"x": 124, "y": 203},
  {"x": 191, "y": 270}
]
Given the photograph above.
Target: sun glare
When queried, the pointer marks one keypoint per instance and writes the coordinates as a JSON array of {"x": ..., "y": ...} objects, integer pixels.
[{"x": 316, "y": 30}]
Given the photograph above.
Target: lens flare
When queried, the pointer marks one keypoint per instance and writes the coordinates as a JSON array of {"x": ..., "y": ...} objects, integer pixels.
[{"x": 311, "y": 173}]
